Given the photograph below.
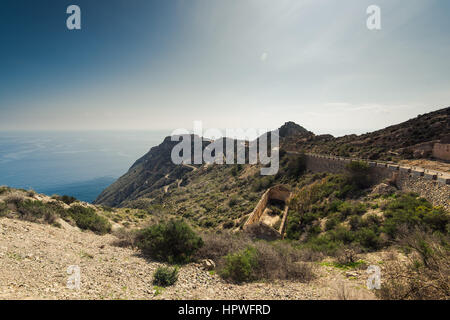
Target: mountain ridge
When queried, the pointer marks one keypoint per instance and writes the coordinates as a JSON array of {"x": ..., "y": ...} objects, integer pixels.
[{"x": 155, "y": 170}]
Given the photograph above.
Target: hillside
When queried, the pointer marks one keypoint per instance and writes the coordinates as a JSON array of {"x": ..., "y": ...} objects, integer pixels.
[
  {"x": 155, "y": 178},
  {"x": 411, "y": 139}
]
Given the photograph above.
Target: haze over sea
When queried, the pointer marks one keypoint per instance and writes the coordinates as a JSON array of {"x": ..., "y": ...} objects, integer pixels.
[{"x": 80, "y": 164}]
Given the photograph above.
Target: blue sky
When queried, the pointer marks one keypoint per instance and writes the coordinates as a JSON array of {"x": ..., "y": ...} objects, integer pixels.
[{"x": 152, "y": 65}]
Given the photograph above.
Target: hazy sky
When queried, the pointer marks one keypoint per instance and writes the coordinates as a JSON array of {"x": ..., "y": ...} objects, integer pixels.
[{"x": 140, "y": 64}]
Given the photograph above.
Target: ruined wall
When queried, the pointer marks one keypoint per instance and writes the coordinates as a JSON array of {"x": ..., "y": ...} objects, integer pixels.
[
  {"x": 441, "y": 151},
  {"x": 255, "y": 216},
  {"x": 279, "y": 192},
  {"x": 437, "y": 193},
  {"x": 432, "y": 185},
  {"x": 283, "y": 222}
]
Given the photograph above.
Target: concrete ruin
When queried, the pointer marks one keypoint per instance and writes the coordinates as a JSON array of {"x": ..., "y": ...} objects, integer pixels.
[
  {"x": 441, "y": 151},
  {"x": 432, "y": 185},
  {"x": 257, "y": 223}
]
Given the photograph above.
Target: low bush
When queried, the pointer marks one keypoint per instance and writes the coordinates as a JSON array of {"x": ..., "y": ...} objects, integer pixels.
[
  {"x": 426, "y": 275},
  {"x": 240, "y": 266},
  {"x": 217, "y": 245},
  {"x": 173, "y": 241},
  {"x": 233, "y": 201},
  {"x": 165, "y": 276},
  {"x": 87, "y": 219},
  {"x": 3, "y": 209},
  {"x": 4, "y": 189},
  {"x": 235, "y": 254},
  {"x": 34, "y": 210},
  {"x": 66, "y": 199},
  {"x": 125, "y": 238},
  {"x": 412, "y": 211},
  {"x": 14, "y": 198}
]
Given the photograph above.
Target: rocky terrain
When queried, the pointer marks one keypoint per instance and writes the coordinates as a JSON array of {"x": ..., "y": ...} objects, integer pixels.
[{"x": 34, "y": 259}]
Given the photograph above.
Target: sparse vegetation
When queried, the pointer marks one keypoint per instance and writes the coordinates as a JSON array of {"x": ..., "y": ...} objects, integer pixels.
[
  {"x": 34, "y": 210},
  {"x": 165, "y": 276},
  {"x": 240, "y": 259},
  {"x": 345, "y": 222},
  {"x": 66, "y": 199},
  {"x": 240, "y": 266},
  {"x": 3, "y": 209},
  {"x": 173, "y": 241},
  {"x": 426, "y": 275},
  {"x": 87, "y": 219}
]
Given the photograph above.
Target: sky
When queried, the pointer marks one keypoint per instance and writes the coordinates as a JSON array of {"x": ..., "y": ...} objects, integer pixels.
[{"x": 157, "y": 65}]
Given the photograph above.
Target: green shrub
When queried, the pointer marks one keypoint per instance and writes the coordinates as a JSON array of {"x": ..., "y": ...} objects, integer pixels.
[
  {"x": 296, "y": 166},
  {"x": 3, "y": 209},
  {"x": 173, "y": 241},
  {"x": 233, "y": 201},
  {"x": 34, "y": 210},
  {"x": 358, "y": 174},
  {"x": 323, "y": 244},
  {"x": 165, "y": 276},
  {"x": 332, "y": 222},
  {"x": 66, "y": 199},
  {"x": 229, "y": 225},
  {"x": 236, "y": 169},
  {"x": 348, "y": 208},
  {"x": 4, "y": 189},
  {"x": 88, "y": 219},
  {"x": 341, "y": 234},
  {"x": 355, "y": 222},
  {"x": 411, "y": 211},
  {"x": 240, "y": 266},
  {"x": 368, "y": 239}
]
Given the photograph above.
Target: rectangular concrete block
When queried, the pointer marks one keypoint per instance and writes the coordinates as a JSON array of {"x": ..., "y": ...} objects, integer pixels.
[
  {"x": 417, "y": 173},
  {"x": 405, "y": 169},
  {"x": 444, "y": 179},
  {"x": 381, "y": 164},
  {"x": 393, "y": 167},
  {"x": 372, "y": 164},
  {"x": 430, "y": 175}
]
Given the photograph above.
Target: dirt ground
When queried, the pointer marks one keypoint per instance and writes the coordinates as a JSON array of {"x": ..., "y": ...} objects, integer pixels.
[{"x": 34, "y": 259}]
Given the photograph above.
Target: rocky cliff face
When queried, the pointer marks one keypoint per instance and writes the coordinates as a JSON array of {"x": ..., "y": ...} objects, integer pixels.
[
  {"x": 146, "y": 174},
  {"x": 153, "y": 171}
]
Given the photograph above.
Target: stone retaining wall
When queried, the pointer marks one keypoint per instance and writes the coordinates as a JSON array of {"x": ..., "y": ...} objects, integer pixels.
[{"x": 430, "y": 184}]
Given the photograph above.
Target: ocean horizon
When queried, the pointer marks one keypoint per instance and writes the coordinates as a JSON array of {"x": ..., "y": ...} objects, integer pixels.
[{"x": 75, "y": 163}]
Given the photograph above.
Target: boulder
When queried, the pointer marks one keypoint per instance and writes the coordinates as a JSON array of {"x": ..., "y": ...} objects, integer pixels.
[
  {"x": 383, "y": 189},
  {"x": 208, "y": 264}
]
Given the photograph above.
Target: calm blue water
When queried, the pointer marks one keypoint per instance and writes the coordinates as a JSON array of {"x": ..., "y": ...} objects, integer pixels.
[{"x": 80, "y": 164}]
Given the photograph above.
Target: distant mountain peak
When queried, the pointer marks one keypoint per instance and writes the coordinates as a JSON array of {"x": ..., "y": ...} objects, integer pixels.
[{"x": 290, "y": 128}]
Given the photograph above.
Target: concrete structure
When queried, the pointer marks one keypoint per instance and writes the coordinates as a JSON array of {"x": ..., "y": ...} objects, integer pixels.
[
  {"x": 432, "y": 185},
  {"x": 441, "y": 151},
  {"x": 280, "y": 193}
]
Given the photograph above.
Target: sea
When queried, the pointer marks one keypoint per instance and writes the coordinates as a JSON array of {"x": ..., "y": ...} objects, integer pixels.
[{"x": 79, "y": 164}]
